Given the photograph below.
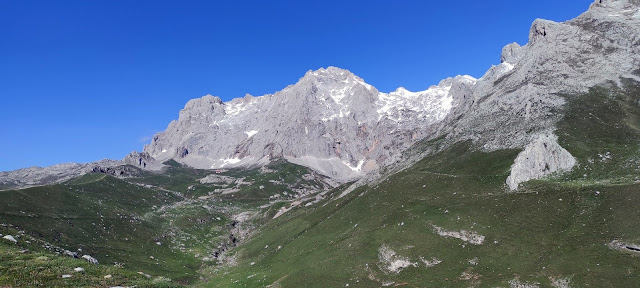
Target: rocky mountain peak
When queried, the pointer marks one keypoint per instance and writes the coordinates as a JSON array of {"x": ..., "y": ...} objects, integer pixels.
[
  {"x": 205, "y": 106},
  {"x": 330, "y": 72},
  {"x": 330, "y": 120},
  {"x": 511, "y": 53},
  {"x": 335, "y": 81},
  {"x": 615, "y": 4}
]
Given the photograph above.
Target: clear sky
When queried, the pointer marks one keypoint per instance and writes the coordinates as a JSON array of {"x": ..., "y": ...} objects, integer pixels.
[{"x": 86, "y": 80}]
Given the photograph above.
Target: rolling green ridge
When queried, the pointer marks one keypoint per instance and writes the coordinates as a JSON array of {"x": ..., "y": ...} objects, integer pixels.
[{"x": 155, "y": 224}]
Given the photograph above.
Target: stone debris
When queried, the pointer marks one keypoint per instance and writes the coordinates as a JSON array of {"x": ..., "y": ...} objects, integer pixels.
[
  {"x": 467, "y": 236},
  {"x": 390, "y": 262},
  {"x": 619, "y": 245},
  {"x": 516, "y": 283},
  {"x": 430, "y": 263},
  {"x": 90, "y": 259},
  {"x": 560, "y": 282}
]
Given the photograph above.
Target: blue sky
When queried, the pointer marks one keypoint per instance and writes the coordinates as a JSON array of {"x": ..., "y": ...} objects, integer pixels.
[{"x": 86, "y": 80}]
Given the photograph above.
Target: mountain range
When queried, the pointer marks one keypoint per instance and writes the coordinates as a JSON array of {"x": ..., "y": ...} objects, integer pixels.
[
  {"x": 442, "y": 178},
  {"x": 335, "y": 123}
]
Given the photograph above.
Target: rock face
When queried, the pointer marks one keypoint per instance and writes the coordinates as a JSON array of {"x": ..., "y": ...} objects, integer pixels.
[
  {"x": 331, "y": 121},
  {"x": 522, "y": 96},
  {"x": 142, "y": 160},
  {"x": 542, "y": 157}
]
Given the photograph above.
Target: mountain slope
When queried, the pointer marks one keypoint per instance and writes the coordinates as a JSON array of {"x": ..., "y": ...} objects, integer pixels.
[{"x": 449, "y": 220}]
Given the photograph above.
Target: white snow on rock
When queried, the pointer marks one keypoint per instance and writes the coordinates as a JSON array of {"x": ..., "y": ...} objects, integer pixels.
[
  {"x": 467, "y": 236},
  {"x": 542, "y": 157},
  {"x": 251, "y": 133},
  {"x": 357, "y": 168},
  {"x": 225, "y": 162},
  {"x": 66, "y": 276},
  {"x": 432, "y": 104},
  {"x": 10, "y": 238},
  {"x": 390, "y": 262},
  {"x": 78, "y": 269}
]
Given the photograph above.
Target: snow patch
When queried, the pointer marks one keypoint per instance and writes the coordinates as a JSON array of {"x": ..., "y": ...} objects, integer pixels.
[
  {"x": 229, "y": 161},
  {"x": 251, "y": 133},
  {"x": 432, "y": 104},
  {"x": 236, "y": 108},
  {"x": 357, "y": 168}
]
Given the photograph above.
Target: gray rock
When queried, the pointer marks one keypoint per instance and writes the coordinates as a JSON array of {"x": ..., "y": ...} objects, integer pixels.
[
  {"x": 90, "y": 259},
  {"x": 331, "y": 121},
  {"x": 10, "y": 238},
  {"x": 522, "y": 96},
  {"x": 142, "y": 160},
  {"x": 512, "y": 53},
  {"x": 542, "y": 157},
  {"x": 36, "y": 176}
]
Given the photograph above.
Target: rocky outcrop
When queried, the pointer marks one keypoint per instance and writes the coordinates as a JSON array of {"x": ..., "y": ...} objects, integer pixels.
[
  {"x": 522, "y": 96},
  {"x": 90, "y": 259},
  {"x": 36, "y": 176},
  {"x": 512, "y": 53},
  {"x": 142, "y": 160},
  {"x": 542, "y": 157},
  {"x": 117, "y": 171}
]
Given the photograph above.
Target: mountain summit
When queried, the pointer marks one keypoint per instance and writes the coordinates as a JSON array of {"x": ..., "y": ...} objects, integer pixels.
[{"x": 330, "y": 120}]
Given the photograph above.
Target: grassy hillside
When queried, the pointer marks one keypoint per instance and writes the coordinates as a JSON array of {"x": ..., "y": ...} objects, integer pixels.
[
  {"x": 554, "y": 232},
  {"x": 102, "y": 216},
  {"x": 158, "y": 224},
  {"x": 26, "y": 264}
]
